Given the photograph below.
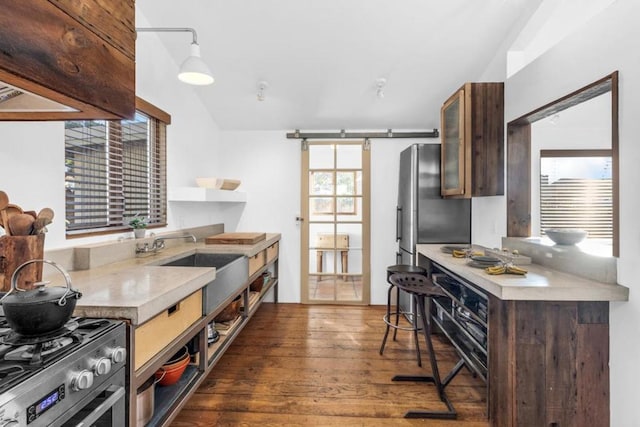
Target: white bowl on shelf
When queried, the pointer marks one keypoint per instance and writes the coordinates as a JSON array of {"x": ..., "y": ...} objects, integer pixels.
[
  {"x": 218, "y": 183},
  {"x": 208, "y": 182},
  {"x": 566, "y": 236}
]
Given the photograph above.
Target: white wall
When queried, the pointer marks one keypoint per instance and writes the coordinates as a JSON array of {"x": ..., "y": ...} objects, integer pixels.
[
  {"x": 269, "y": 166},
  {"x": 32, "y": 153},
  {"x": 586, "y": 126},
  {"x": 32, "y": 170},
  {"x": 607, "y": 43},
  {"x": 193, "y": 138}
]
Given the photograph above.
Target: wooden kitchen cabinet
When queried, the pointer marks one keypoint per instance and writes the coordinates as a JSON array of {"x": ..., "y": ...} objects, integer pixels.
[
  {"x": 472, "y": 155},
  {"x": 80, "y": 54},
  {"x": 546, "y": 363},
  {"x": 153, "y": 336}
]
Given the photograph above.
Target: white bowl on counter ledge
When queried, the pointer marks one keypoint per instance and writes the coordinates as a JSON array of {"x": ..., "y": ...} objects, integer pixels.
[
  {"x": 566, "y": 236},
  {"x": 218, "y": 183}
]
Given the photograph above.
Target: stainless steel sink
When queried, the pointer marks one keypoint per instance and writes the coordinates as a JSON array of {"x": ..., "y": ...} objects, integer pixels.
[
  {"x": 203, "y": 260},
  {"x": 232, "y": 274}
]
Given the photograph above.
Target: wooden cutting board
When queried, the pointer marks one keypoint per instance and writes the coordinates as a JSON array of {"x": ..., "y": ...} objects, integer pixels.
[{"x": 235, "y": 238}]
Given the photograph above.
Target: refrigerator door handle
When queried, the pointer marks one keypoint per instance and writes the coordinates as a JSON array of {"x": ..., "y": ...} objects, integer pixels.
[
  {"x": 398, "y": 223},
  {"x": 398, "y": 258}
]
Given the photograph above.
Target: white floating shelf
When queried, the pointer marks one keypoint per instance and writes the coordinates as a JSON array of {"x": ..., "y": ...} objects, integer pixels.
[{"x": 199, "y": 194}]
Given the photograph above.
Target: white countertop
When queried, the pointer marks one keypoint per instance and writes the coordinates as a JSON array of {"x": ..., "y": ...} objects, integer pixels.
[
  {"x": 139, "y": 288},
  {"x": 539, "y": 284}
]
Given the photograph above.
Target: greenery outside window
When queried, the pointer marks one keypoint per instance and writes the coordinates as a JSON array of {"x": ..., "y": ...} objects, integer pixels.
[
  {"x": 115, "y": 170},
  {"x": 341, "y": 195}
]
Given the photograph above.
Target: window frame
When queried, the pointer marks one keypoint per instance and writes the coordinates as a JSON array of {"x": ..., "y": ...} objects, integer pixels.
[
  {"x": 519, "y": 157},
  {"x": 163, "y": 120}
]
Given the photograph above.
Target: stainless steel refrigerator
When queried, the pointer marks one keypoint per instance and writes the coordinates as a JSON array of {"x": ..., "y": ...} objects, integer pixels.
[{"x": 422, "y": 215}]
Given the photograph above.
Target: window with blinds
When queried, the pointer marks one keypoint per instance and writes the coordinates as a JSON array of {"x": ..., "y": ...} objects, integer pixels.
[
  {"x": 576, "y": 191},
  {"x": 114, "y": 170}
]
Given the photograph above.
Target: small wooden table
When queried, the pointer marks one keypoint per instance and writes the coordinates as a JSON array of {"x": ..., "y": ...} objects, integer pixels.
[{"x": 326, "y": 242}]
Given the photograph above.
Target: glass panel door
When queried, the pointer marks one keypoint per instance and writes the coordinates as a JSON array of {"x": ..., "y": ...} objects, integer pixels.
[
  {"x": 335, "y": 237},
  {"x": 452, "y": 117}
]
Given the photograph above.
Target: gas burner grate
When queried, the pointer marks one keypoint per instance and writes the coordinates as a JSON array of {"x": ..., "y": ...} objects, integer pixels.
[
  {"x": 36, "y": 353},
  {"x": 16, "y": 339}
]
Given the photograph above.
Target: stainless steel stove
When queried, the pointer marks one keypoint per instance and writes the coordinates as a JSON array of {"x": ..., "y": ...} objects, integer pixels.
[{"x": 73, "y": 376}]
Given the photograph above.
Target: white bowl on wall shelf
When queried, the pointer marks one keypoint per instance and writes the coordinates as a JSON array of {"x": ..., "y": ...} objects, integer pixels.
[
  {"x": 213, "y": 183},
  {"x": 218, "y": 183}
]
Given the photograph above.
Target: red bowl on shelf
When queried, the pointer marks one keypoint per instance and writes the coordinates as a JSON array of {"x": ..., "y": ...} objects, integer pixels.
[{"x": 171, "y": 371}]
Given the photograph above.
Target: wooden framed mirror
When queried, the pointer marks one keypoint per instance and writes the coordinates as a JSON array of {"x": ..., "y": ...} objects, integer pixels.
[{"x": 519, "y": 157}]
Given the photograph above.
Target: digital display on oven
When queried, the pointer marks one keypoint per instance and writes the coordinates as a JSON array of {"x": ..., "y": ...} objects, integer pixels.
[
  {"x": 47, "y": 402},
  {"x": 35, "y": 410}
]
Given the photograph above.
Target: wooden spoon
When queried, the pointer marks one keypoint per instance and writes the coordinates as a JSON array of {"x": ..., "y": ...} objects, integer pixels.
[
  {"x": 6, "y": 214},
  {"x": 4, "y": 202},
  {"x": 21, "y": 224},
  {"x": 45, "y": 216}
]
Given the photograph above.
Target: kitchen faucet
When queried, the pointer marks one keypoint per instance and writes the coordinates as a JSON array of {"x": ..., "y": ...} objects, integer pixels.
[{"x": 158, "y": 243}]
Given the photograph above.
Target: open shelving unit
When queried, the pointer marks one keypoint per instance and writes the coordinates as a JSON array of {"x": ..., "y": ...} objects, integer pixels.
[
  {"x": 169, "y": 400},
  {"x": 217, "y": 349}
]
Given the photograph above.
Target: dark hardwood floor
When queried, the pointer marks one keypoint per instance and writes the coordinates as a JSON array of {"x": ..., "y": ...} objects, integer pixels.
[{"x": 301, "y": 365}]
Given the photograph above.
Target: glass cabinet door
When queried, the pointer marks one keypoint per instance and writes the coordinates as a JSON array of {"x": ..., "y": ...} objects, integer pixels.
[{"x": 453, "y": 159}]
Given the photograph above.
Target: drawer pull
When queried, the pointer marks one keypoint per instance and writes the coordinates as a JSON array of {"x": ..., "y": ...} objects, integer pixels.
[{"x": 173, "y": 309}]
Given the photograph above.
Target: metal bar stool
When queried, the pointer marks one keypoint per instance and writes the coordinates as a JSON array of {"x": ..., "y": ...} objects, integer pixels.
[
  {"x": 421, "y": 290},
  {"x": 387, "y": 318}
]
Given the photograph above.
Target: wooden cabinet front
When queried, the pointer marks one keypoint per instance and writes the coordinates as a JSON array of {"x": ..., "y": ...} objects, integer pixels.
[
  {"x": 157, "y": 333},
  {"x": 548, "y": 363},
  {"x": 472, "y": 122},
  {"x": 256, "y": 262},
  {"x": 79, "y": 54}
]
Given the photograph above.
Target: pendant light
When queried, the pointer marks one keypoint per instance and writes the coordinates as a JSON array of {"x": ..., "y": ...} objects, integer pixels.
[{"x": 193, "y": 70}]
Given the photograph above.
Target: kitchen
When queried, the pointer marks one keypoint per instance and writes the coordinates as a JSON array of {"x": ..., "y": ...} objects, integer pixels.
[{"x": 590, "y": 52}]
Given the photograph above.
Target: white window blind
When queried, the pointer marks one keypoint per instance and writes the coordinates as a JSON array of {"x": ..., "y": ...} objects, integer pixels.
[
  {"x": 113, "y": 171},
  {"x": 576, "y": 191}
]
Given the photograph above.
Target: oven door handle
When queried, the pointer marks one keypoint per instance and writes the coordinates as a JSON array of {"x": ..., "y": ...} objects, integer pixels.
[{"x": 118, "y": 392}]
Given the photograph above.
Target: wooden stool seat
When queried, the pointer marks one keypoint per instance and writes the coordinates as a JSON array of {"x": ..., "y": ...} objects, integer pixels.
[{"x": 392, "y": 319}]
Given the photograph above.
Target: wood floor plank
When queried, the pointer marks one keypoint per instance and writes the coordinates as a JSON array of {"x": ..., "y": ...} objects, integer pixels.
[{"x": 300, "y": 365}]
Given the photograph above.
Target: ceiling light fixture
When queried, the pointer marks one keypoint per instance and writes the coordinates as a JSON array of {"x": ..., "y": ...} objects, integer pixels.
[
  {"x": 380, "y": 84},
  {"x": 193, "y": 70},
  {"x": 262, "y": 86}
]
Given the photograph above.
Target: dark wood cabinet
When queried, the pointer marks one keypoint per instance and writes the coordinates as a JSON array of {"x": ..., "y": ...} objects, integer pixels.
[
  {"x": 472, "y": 122},
  {"x": 80, "y": 54},
  {"x": 548, "y": 363}
]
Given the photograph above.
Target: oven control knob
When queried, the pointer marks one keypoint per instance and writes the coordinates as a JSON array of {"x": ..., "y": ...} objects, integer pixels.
[
  {"x": 82, "y": 381},
  {"x": 118, "y": 354},
  {"x": 102, "y": 366}
]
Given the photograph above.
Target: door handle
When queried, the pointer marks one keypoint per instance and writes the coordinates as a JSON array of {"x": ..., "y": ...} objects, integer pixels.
[{"x": 398, "y": 223}]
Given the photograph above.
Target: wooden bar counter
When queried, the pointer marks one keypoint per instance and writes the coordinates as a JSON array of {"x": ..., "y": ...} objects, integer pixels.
[{"x": 548, "y": 343}]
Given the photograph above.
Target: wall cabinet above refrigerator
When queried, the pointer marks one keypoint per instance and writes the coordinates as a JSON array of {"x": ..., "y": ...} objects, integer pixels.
[
  {"x": 472, "y": 158},
  {"x": 64, "y": 60}
]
